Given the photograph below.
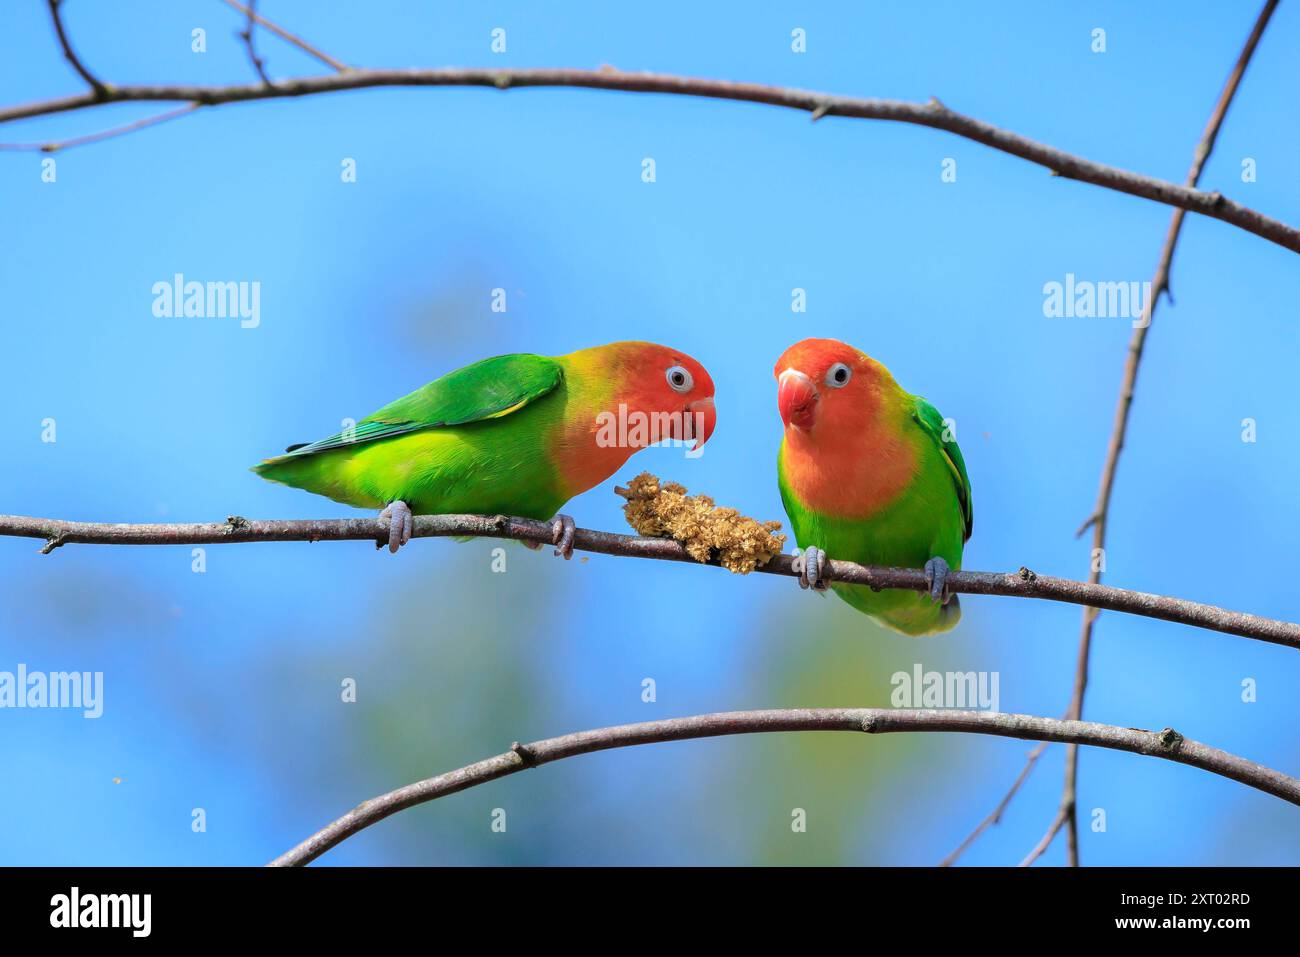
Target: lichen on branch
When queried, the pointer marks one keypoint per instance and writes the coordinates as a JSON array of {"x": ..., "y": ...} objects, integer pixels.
[{"x": 707, "y": 531}]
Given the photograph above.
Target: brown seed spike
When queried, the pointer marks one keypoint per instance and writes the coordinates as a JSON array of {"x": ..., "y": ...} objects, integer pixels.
[{"x": 708, "y": 533}]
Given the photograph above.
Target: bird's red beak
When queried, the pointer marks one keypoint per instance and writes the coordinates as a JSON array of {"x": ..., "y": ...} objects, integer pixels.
[
  {"x": 796, "y": 398},
  {"x": 701, "y": 417}
]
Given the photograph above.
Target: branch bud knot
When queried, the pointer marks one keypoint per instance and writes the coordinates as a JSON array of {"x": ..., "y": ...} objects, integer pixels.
[{"x": 525, "y": 754}]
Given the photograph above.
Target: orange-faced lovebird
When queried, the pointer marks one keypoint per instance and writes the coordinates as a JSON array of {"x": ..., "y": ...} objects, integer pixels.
[
  {"x": 514, "y": 435},
  {"x": 870, "y": 473}
]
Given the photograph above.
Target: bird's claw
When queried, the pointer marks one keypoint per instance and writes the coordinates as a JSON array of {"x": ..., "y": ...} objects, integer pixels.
[
  {"x": 936, "y": 578},
  {"x": 814, "y": 569},
  {"x": 562, "y": 537},
  {"x": 399, "y": 523}
]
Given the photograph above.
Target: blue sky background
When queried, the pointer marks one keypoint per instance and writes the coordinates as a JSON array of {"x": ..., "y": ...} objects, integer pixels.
[{"x": 222, "y": 688}]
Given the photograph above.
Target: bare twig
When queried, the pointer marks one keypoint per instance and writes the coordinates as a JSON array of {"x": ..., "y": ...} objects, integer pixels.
[
  {"x": 250, "y": 25},
  {"x": 996, "y": 816},
  {"x": 99, "y": 89},
  {"x": 1101, "y": 512},
  {"x": 1167, "y": 744},
  {"x": 55, "y": 146},
  {"x": 1045, "y": 841},
  {"x": 283, "y": 34},
  {"x": 932, "y": 114},
  {"x": 1022, "y": 583}
]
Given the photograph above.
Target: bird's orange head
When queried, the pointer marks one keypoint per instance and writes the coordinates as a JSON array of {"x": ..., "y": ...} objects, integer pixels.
[
  {"x": 673, "y": 391},
  {"x": 825, "y": 384}
]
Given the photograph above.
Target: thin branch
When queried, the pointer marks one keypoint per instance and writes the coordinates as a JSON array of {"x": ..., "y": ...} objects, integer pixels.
[
  {"x": 283, "y": 34},
  {"x": 55, "y": 146},
  {"x": 99, "y": 89},
  {"x": 246, "y": 35},
  {"x": 1021, "y": 584},
  {"x": 932, "y": 114},
  {"x": 1167, "y": 744},
  {"x": 1101, "y": 512},
  {"x": 1045, "y": 841},
  {"x": 996, "y": 816}
]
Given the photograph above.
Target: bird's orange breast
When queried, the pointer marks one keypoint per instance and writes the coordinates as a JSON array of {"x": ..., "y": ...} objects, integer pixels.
[{"x": 855, "y": 475}]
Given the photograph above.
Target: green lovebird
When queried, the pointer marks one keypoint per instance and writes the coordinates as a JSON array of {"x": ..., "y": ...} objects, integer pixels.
[
  {"x": 871, "y": 474},
  {"x": 513, "y": 435}
]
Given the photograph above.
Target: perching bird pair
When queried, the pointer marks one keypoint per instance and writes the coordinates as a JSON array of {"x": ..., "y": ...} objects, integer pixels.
[{"x": 868, "y": 472}]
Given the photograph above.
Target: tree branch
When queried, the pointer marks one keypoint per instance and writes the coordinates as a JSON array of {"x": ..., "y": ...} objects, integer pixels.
[
  {"x": 54, "y": 146},
  {"x": 1167, "y": 744},
  {"x": 1045, "y": 841},
  {"x": 283, "y": 34},
  {"x": 932, "y": 114},
  {"x": 995, "y": 816},
  {"x": 247, "y": 35},
  {"x": 1021, "y": 584},
  {"x": 99, "y": 91},
  {"x": 1098, "y": 521}
]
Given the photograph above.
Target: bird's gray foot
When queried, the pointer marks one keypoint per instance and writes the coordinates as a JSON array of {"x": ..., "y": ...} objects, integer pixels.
[
  {"x": 398, "y": 522},
  {"x": 936, "y": 576},
  {"x": 814, "y": 569},
  {"x": 564, "y": 530}
]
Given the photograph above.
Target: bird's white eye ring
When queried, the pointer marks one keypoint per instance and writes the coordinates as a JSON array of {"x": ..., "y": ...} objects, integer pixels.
[
  {"x": 838, "y": 375},
  {"x": 679, "y": 380}
]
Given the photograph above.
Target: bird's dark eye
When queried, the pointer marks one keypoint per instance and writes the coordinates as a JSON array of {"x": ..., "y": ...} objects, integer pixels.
[
  {"x": 679, "y": 379},
  {"x": 838, "y": 375}
]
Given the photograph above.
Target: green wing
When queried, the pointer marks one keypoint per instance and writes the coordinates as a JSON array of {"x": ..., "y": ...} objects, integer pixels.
[
  {"x": 931, "y": 422},
  {"x": 488, "y": 389}
]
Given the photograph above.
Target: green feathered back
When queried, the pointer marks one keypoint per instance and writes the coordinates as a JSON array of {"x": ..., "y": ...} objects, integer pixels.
[{"x": 475, "y": 440}]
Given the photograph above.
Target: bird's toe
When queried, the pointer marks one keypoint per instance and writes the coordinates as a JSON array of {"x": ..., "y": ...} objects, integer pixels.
[
  {"x": 813, "y": 568},
  {"x": 399, "y": 524},
  {"x": 564, "y": 531},
  {"x": 936, "y": 577}
]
